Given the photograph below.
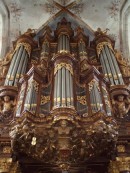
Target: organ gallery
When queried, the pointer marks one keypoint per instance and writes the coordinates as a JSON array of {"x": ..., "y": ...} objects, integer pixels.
[{"x": 64, "y": 103}]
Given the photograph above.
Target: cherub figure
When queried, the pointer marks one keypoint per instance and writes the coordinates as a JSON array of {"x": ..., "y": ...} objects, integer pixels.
[
  {"x": 63, "y": 128},
  {"x": 100, "y": 32},
  {"x": 42, "y": 66},
  {"x": 30, "y": 32},
  {"x": 121, "y": 106},
  {"x": 8, "y": 104}
]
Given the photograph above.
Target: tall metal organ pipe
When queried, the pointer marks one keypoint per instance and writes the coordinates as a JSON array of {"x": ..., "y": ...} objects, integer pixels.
[
  {"x": 45, "y": 47},
  {"x": 81, "y": 47},
  {"x": 18, "y": 64},
  {"x": 63, "y": 85},
  {"x": 63, "y": 44},
  {"x": 109, "y": 64},
  {"x": 31, "y": 96}
]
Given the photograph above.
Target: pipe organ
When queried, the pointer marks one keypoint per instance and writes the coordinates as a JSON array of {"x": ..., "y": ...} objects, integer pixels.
[{"x": 65, "y": 103}]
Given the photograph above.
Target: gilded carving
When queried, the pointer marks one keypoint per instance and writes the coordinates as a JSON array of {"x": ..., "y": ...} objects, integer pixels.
[
  {"x": 67, "y": 66},
  {"x": 123, "y": 64},
  {"x": 63, "y": 141},
  {"x": 92, "y": 83},
  {"x": 4, "y": 63},
  {"x": 6, "y": 107},
  {"x": 14, "y": 168},
  {"x": 101, "y": 45},
  {"x": 33, "y": 83},
  {"x": 123, "y": 163},
  {"x": 5, "y": 164},
  {"x": 45, "y": 99},
  {"x": 84, "y": 65},
  {"x": 82, "y": 100},
  {"x": 121, "y": 148},
  {"x": 121, "y": 105},
  {"x": 8, "y": 104},
  {"x": 42, "y": 67},
  {"x": 113, "y": 167},
  {"x": 64, "y": 51},
  {"x": 27, "y": 47},
  {"x": 75, "y": 134}
]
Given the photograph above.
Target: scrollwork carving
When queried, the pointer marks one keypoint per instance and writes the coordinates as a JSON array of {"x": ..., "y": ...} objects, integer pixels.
[
  {"x": 45, "y": 99},
  {"x": 4, "y": 63},
  {"x": 101, "y": 45},
  {"x": 82, "y": 100},
  {"x": 27, "y": 47},
  {"x": 63, "y": 141},
  {"x": 123, "y": 64},
  {"x": 67, "y": 66}
]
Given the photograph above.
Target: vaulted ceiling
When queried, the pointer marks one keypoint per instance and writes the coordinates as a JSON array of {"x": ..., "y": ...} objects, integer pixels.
[{"x": 24, "y": 14}]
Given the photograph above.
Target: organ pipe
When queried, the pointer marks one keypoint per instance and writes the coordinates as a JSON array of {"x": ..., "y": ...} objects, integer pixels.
[
  {"x": 18, "y": 64},
  {"x": 95, "y": 98},
  {"x": 31, "y": 97},
  {"x": 63, "y": 44},
  {"x": 45, "y": 47},
  {"x": 110, "y": 66},
  {"x": 81, "y": 47},
  {"x": 63, "y": 88}
]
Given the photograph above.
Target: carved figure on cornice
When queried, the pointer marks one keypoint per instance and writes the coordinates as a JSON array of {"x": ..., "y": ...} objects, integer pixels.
[
  {"x": 5, "y": 63},
  {"x": 123, "y": 63},
  {"x": 100, "y": 32},
  {"x": 121, "y": 106},
  {"x": 30, "y": 32}
]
